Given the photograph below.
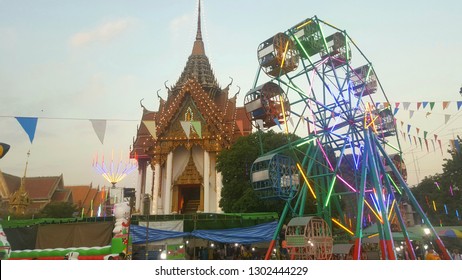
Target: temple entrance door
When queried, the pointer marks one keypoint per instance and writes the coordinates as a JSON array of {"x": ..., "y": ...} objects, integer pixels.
[{"x": 189, "y": 198}]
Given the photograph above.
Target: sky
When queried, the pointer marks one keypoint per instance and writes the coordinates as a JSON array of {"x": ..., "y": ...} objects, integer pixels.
[{"x": 68, "y": 62}]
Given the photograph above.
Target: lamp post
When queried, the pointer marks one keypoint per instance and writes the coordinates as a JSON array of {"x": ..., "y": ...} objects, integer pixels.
[{"x": 147, "y": 212}]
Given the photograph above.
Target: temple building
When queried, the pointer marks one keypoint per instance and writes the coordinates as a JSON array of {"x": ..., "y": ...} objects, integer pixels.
[{"x": 181, "y": 140}]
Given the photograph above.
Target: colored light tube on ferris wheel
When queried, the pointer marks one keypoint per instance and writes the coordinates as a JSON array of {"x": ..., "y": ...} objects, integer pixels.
[
  {"x": 329, "y": 194},
  {"x": 394, "y": 184},
  {"x": 374, "y": 199},
  {"x": 391, "y": 209},
  {"x": 325, "y": 155},
  {"x": 284, "y": 54},
  {"x": 373, "y": 211},
  {"x": 304, "y": 24},
  {"x": 342, "y": 226},
  {"x": 434, "y": 205},
  {"x": 284, "y": 114},
  {"x": 306, "y": 180},
  {"x": 346, "y": 183}
]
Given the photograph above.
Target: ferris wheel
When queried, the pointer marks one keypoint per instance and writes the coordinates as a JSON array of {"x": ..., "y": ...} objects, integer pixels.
[{"x": 321, "y": 87}]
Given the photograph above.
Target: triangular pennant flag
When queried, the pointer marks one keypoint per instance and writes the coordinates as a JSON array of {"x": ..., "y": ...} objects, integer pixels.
[
  {"x": 99, "y": 126},
  {"x": 446, "y": 118},
  {"x": 411, "y": 113},
  {"x": 441, "y": 148},
  {"x": 408, "y": 128},
  {"x": 197, "y": 127},
  {"x": 457, "y": 144},
  {"x": 431, "y": 105},
  {"x": 409, "y": 136},
  {"x": 425, "y": 103},
  {"x": 291, "y": 121},
  {"x": 427, "y": 114},
  {"x": 415, "y": 140},
  {"x": 396, "y": 111},
  {"x": 151, "y": 126},
  {"x": 4, "y": 148},
  {"x": 420, "y": 141},
  {"x": 459, "y": 104},
  {"x": 406, "y": 105},
  {"x": 436, "y": 136},
  {"x": 426, "y": 144},
  {"x": 417, "y": 130},
  {"x": 277, "y": 122},
  {"x": 186, "y": 125},
  {"x": 425, "y": 134},
  {"x": 445, "y": 104},
  {"x": 386, "y": 104},
  {"x": 29, "y": 125},
  {"x": 396, "y": 104},
  {"x": 418, "y": 105},
  {"x": 240, "y": 125},
  {"x": 402, "y": 123}
]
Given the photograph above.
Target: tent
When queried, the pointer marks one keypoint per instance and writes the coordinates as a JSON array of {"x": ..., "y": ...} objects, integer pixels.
[{"x": 246, "y": 235}]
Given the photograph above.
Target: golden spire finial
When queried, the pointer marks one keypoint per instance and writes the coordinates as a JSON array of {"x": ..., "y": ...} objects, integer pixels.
[{"x": 198, "y": 47}]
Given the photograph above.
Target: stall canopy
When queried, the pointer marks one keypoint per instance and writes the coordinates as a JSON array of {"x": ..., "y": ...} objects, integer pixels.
[{"x": 246, "y": 235}]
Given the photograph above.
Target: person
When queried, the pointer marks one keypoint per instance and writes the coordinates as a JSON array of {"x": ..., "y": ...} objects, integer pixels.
[
  {"x": 456, "y": 255},
  {"x": 121, "y": 256},
  {"x": 432, "y": 255}
]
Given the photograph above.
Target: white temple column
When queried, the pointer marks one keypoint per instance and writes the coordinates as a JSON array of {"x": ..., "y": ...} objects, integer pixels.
[
  {"x": 168, "y": 185},
  {"x": 206, "y": 182},
  {"x": 218, "y": 186},
  {"x": 156, "y": 186}
]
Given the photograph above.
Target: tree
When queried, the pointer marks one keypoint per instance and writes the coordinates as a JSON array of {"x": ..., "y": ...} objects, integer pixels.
[
  {"x": 235, "y": 166},
  {"x": 59, "y": 210},
  {"x": 440, "y": 195}
]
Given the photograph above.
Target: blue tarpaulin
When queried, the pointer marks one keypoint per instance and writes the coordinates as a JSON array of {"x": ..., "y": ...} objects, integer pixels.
[
  {"x": 247, "y": 235},
  {"x": 138, "y": 234}
]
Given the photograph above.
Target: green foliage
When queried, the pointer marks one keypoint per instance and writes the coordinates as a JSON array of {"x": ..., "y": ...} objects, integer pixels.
[
  {"x": 58, "y": 210},
  {"x": 235, "y": 166},
  {"x": 437, "y": 189}
]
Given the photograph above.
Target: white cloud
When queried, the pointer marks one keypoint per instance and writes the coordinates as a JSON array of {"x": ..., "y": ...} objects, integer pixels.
[{"x": 103, "y": 33}]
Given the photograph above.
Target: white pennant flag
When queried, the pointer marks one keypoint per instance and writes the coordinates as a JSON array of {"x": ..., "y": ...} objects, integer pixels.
[
  {"x": 446, "y": 118},
  {"x": 411, "y": 113},
  {"x": 151, "y": 126},
  {"x": 406, "y": 105},
  {"x": 186, "y": 127},
  {"x": 100, "y": 129}
]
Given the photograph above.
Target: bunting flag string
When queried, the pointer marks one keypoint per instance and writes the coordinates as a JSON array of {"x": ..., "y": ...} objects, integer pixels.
[{"x": 422, "y": 104}]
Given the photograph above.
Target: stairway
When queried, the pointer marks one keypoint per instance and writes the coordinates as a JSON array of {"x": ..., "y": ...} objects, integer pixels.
[{"x": 191, "y": 206}]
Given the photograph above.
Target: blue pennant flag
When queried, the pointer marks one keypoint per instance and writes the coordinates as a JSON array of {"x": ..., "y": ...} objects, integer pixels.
[{"x": 29, "y": 125}]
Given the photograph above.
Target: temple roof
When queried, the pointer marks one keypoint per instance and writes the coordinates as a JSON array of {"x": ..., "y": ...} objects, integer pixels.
[
  {"x": 222, "y": 122},
  {"x": 198, "y": 65}
]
